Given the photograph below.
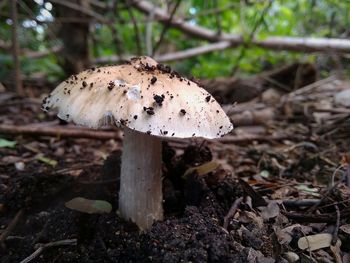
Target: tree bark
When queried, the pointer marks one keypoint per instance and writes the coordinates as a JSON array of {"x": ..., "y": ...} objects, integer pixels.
[{"x": 75, "y": 53}]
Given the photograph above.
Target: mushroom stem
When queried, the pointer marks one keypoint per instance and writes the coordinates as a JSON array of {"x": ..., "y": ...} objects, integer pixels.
[{"x": 140, "y": 195}]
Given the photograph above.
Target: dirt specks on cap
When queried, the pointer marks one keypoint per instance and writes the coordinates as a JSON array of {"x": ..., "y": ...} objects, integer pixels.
[
  {"x": 111, "y": 85},
  {"x": 153, "y": 80},
  {"x": 159, "y": 99}
]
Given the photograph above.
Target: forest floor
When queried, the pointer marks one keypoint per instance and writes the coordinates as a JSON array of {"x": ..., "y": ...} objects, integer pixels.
[{"x": 274, "y": 191}]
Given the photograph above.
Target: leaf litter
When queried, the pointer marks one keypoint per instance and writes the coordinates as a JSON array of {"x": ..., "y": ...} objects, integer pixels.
[{"x": 255, "y": 200}]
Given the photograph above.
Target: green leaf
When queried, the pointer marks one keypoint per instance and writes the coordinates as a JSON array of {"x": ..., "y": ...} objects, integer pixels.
[
  {"x": 89, "y": 206},
  {"x": 6, "y": 143}
]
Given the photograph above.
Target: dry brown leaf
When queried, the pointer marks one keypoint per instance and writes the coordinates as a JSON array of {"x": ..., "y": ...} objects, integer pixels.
[
  {"x": 250, "y": 217},
  {"x": 203, "y": 169},
  {"x": 345, "y": 228}
]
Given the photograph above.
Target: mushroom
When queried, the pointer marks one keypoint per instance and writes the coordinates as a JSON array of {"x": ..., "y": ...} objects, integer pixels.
[{"x": 151, "y": 102}]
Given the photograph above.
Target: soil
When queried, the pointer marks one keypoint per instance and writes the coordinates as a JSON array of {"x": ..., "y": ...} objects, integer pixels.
[{"x": 191, "y": 230}]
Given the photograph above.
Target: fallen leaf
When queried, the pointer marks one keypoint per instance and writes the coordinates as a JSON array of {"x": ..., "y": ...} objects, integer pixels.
[
  {"x": 6, "y": 143},
  {"x": 202, "y": 169},
  {"x": 250, "y": 217},
  {"x": 314, "y": 242},
  {"x": 285, "y": 235},
  {"x": 291, "y": 257},
  {"x": 270, "y": 211},
  {"x": 89, "y": 206}
]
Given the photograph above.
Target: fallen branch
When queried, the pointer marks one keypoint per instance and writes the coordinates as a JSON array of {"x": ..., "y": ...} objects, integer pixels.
[
  {"x": 59, "y": 131},
  {"x": 78, "y": 132},
  {"x": 42, "y": 247},
  {"x": 303, "y": 44}
]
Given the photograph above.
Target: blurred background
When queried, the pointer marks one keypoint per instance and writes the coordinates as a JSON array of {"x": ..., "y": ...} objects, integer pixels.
[{"x": 43, "y": 42}]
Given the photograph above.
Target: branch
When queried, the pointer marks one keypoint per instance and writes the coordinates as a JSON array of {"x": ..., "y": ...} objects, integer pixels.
[
  {"x": 80, "y": 132},
  {"x": 187, "y": 53},
  {"x": 196, "y": 31},
  {"x": 275, "y": 43},
  {"x": 191, "y": 52},
  {"x": 81, "y": 9},
  {"x": 40, "y": 54},
  {"x": 166, "y": 27},
  {"x": 58, "y": 131}
]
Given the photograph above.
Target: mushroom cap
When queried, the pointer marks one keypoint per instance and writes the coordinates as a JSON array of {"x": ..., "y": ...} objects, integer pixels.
[{"x": 142, "y": 95}]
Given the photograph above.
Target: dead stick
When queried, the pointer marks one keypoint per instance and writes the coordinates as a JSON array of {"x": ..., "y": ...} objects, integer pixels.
[
  {"x": 41, "y": 248},
  {"x": 58, "y": 131},
  {"x": 258, "y": 137},
  {"x": 337, "y": 224},
  {"x": 231, "y": 213},
  {"x": 299, "y": 203},
  {"x": 11, "y": 226},
  {"x": 323, "y": 218}
]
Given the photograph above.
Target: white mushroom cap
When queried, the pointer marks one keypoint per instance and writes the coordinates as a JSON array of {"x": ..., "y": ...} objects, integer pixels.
[{"x": 141, "y": 95}]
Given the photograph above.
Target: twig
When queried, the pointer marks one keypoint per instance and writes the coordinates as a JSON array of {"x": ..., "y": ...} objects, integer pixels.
[
  {"x": 42, "y": 247},
  {"x": 250, "y": 37},
  {"x": 165, "y": 27},
  {"x": 258, "y": 137},
  {"x": 15, "y": 50},
  {"x": 301, "y": 203},
  {"x": 231, "y": 213},
  {"x": 11, "y": 226},
  {"x": 322, "y": 218},
  {"x": 218, "y": 20},
  {"x": 136, "y": 29},
  {"x": 115, "y": 36},
  {"x": 337, "y": 224},
  {"x": 149, "y": 30},
  {"x": 99, "y": 182},
  {"x": 81, "y": 9}
]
